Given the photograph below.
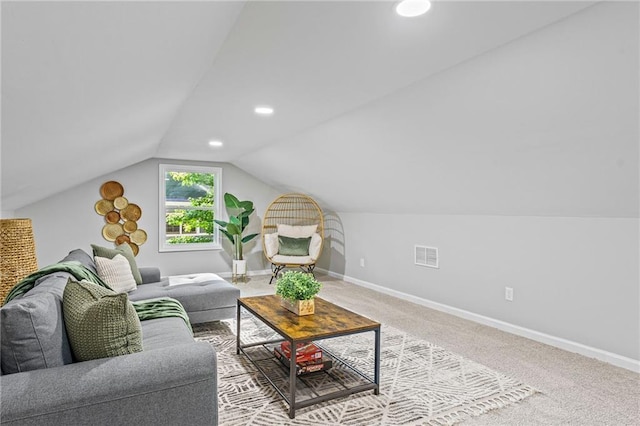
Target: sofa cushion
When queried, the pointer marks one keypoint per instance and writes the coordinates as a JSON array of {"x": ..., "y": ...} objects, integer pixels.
[
  {"x": 32, "y": 328},
  {"x": 162, "y": 332},
  {"x": 116, "y": 273},
  {"x": 100, "y": 323},
  {"x": 83, "y": 257},
  {"x": 288, "y": 246},
  {"x": 150, "y": 274},
  {"x": 196, "y": 297},
  {"x": 123, "y": 249}
]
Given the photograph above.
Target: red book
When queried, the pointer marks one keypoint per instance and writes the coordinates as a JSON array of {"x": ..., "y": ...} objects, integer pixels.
[
  {"x": 321, "y": 364},
  {"x": 305, "y": 351}
]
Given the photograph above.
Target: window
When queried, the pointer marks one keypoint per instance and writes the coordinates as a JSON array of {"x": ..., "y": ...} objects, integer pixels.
[{"x": 189, "y": 200}]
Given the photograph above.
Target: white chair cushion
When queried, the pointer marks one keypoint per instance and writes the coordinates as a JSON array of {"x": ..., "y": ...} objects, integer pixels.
[
  {"x": 315, "y": 246},
  {"x": 271, "y": 244},
  {"x": 296, "y": 231},
  {"x": 116, "y": 273},
  {"x": 292, "y": 260}
]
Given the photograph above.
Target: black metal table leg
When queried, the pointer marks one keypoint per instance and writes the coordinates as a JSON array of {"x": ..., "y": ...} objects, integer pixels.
[
  {"x": 292, "y": 380},
  {"x": 376, "y": 372},
  {"x": 238, "y": 329}
]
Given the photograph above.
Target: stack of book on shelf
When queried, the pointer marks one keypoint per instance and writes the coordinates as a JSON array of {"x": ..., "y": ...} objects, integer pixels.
[{"x": 309, "y": 357}]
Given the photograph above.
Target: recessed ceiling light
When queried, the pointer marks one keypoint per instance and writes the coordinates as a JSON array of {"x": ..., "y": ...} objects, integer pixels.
[
  {"x": 215, "y": 144},
  {"x": 411, "y": 8},
  {"x": 263, "y": 110}
]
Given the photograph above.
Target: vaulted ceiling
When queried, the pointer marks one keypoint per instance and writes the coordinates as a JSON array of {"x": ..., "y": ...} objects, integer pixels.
[{"x": 92, "y": 87}]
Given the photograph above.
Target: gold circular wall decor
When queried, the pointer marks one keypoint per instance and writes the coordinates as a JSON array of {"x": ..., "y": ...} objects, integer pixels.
[
  {"x": 121, "y": 217},
  {"x": 129, "y": 225},
  {"x": 111, "y": 190},
  {"x": 134, "y": 248},
  {"x": 120, "y": 203},
  {"x": 103, "y": 207},
  {"x": 122, "y": 239},
  {"x": 111, "y": 231},
  {"x": 138, "y": 236},
  {"x": 131, "y": 212},
  {"x": 112, "y": 217}
]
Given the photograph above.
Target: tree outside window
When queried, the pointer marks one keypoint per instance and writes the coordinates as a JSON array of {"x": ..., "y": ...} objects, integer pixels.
[{"x": 188, "y": 207}]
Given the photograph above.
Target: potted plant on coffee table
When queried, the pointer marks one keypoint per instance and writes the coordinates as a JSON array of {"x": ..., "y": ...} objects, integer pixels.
[
  {"x": 239, "y": 212},
  {"x": 297, "y": 290}
]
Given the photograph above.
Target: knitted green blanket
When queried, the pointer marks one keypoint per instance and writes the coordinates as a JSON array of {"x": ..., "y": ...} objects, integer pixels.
[
  {"x": 75, "y": 268},
  {"x": 161, "y": 307}
]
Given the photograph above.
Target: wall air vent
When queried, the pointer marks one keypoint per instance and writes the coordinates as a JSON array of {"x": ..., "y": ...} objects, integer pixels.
[{"x": 426, "y": 256}]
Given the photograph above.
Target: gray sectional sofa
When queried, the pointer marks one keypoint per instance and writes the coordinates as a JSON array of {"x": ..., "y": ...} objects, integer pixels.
[{"x": 172, "y": 381}]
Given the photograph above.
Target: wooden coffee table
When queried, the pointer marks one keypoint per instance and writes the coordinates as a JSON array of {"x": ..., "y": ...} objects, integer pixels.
[{"x": 327, "y": 322}]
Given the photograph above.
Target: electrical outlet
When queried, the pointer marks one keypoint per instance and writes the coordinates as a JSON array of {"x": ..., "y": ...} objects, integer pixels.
[
  {"x": 508, "y": 294},
  {"x": 362, "y": 262}
]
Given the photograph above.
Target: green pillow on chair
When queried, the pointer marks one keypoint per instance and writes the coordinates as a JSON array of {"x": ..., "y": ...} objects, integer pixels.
[
  {"x": 100, "y": 323},
  {"x": 288, "y": 246}
]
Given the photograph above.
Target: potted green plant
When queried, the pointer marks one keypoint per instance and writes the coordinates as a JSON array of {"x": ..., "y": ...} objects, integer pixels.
[
  {"x": 239, "y": 212},
  {"x": 297, "y": 290}
]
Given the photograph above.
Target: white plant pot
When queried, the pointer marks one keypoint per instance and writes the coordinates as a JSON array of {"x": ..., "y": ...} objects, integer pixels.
[{"x": 239, "y": 267}]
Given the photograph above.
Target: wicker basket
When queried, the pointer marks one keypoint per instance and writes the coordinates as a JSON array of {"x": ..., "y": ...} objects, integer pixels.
[{"x": 17, "y": 253}]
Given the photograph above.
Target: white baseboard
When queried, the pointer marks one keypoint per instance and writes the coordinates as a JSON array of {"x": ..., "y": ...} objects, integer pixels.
[{"x": 558, "y": 342}]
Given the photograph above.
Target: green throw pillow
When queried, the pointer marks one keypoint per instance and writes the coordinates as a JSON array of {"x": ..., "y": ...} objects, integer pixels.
[
  {"x": 288, "y": 246},
  {"x": 100, "y": 323},
  {"x": 123, "y": 249}
]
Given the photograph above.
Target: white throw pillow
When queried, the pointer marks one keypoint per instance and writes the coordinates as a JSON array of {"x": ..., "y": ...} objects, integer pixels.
[
  {"x": 116, "y": 273},
  {"x": 315, "y": 246},
  {"x": 291, "y": 231},
  {"x": 271, "y": 244}
]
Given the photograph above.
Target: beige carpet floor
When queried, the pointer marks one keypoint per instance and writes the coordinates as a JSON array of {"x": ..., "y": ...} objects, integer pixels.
[
  {"x": 573, "y": 389},
  {"x": 421, "y": 384}
]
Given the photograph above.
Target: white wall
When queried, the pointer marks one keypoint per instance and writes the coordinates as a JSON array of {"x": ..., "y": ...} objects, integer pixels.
[
  {"x": 68, "y": 220},
  {"x": 573, "y": 278}
]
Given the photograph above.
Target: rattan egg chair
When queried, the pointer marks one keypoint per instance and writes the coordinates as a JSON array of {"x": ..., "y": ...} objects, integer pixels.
[{"x": 296, "y": 217}]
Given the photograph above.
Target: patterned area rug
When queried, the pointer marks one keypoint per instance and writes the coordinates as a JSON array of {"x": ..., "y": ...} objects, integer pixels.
[{"x": 421, "y": 384}]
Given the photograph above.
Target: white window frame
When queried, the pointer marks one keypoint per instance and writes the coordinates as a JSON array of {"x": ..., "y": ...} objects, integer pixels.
[{"x": 162, "y": 223}]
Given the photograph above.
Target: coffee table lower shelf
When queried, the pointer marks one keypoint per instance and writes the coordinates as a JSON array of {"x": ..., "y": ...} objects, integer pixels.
[
  {"x": 343, "y": 377},
  {"x": 300, "y": 391}
]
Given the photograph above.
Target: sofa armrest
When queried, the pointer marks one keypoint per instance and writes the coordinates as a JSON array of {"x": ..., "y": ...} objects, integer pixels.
[
  {"x": 150, "y": 274},
  {"x": 171, "y": 385}
]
